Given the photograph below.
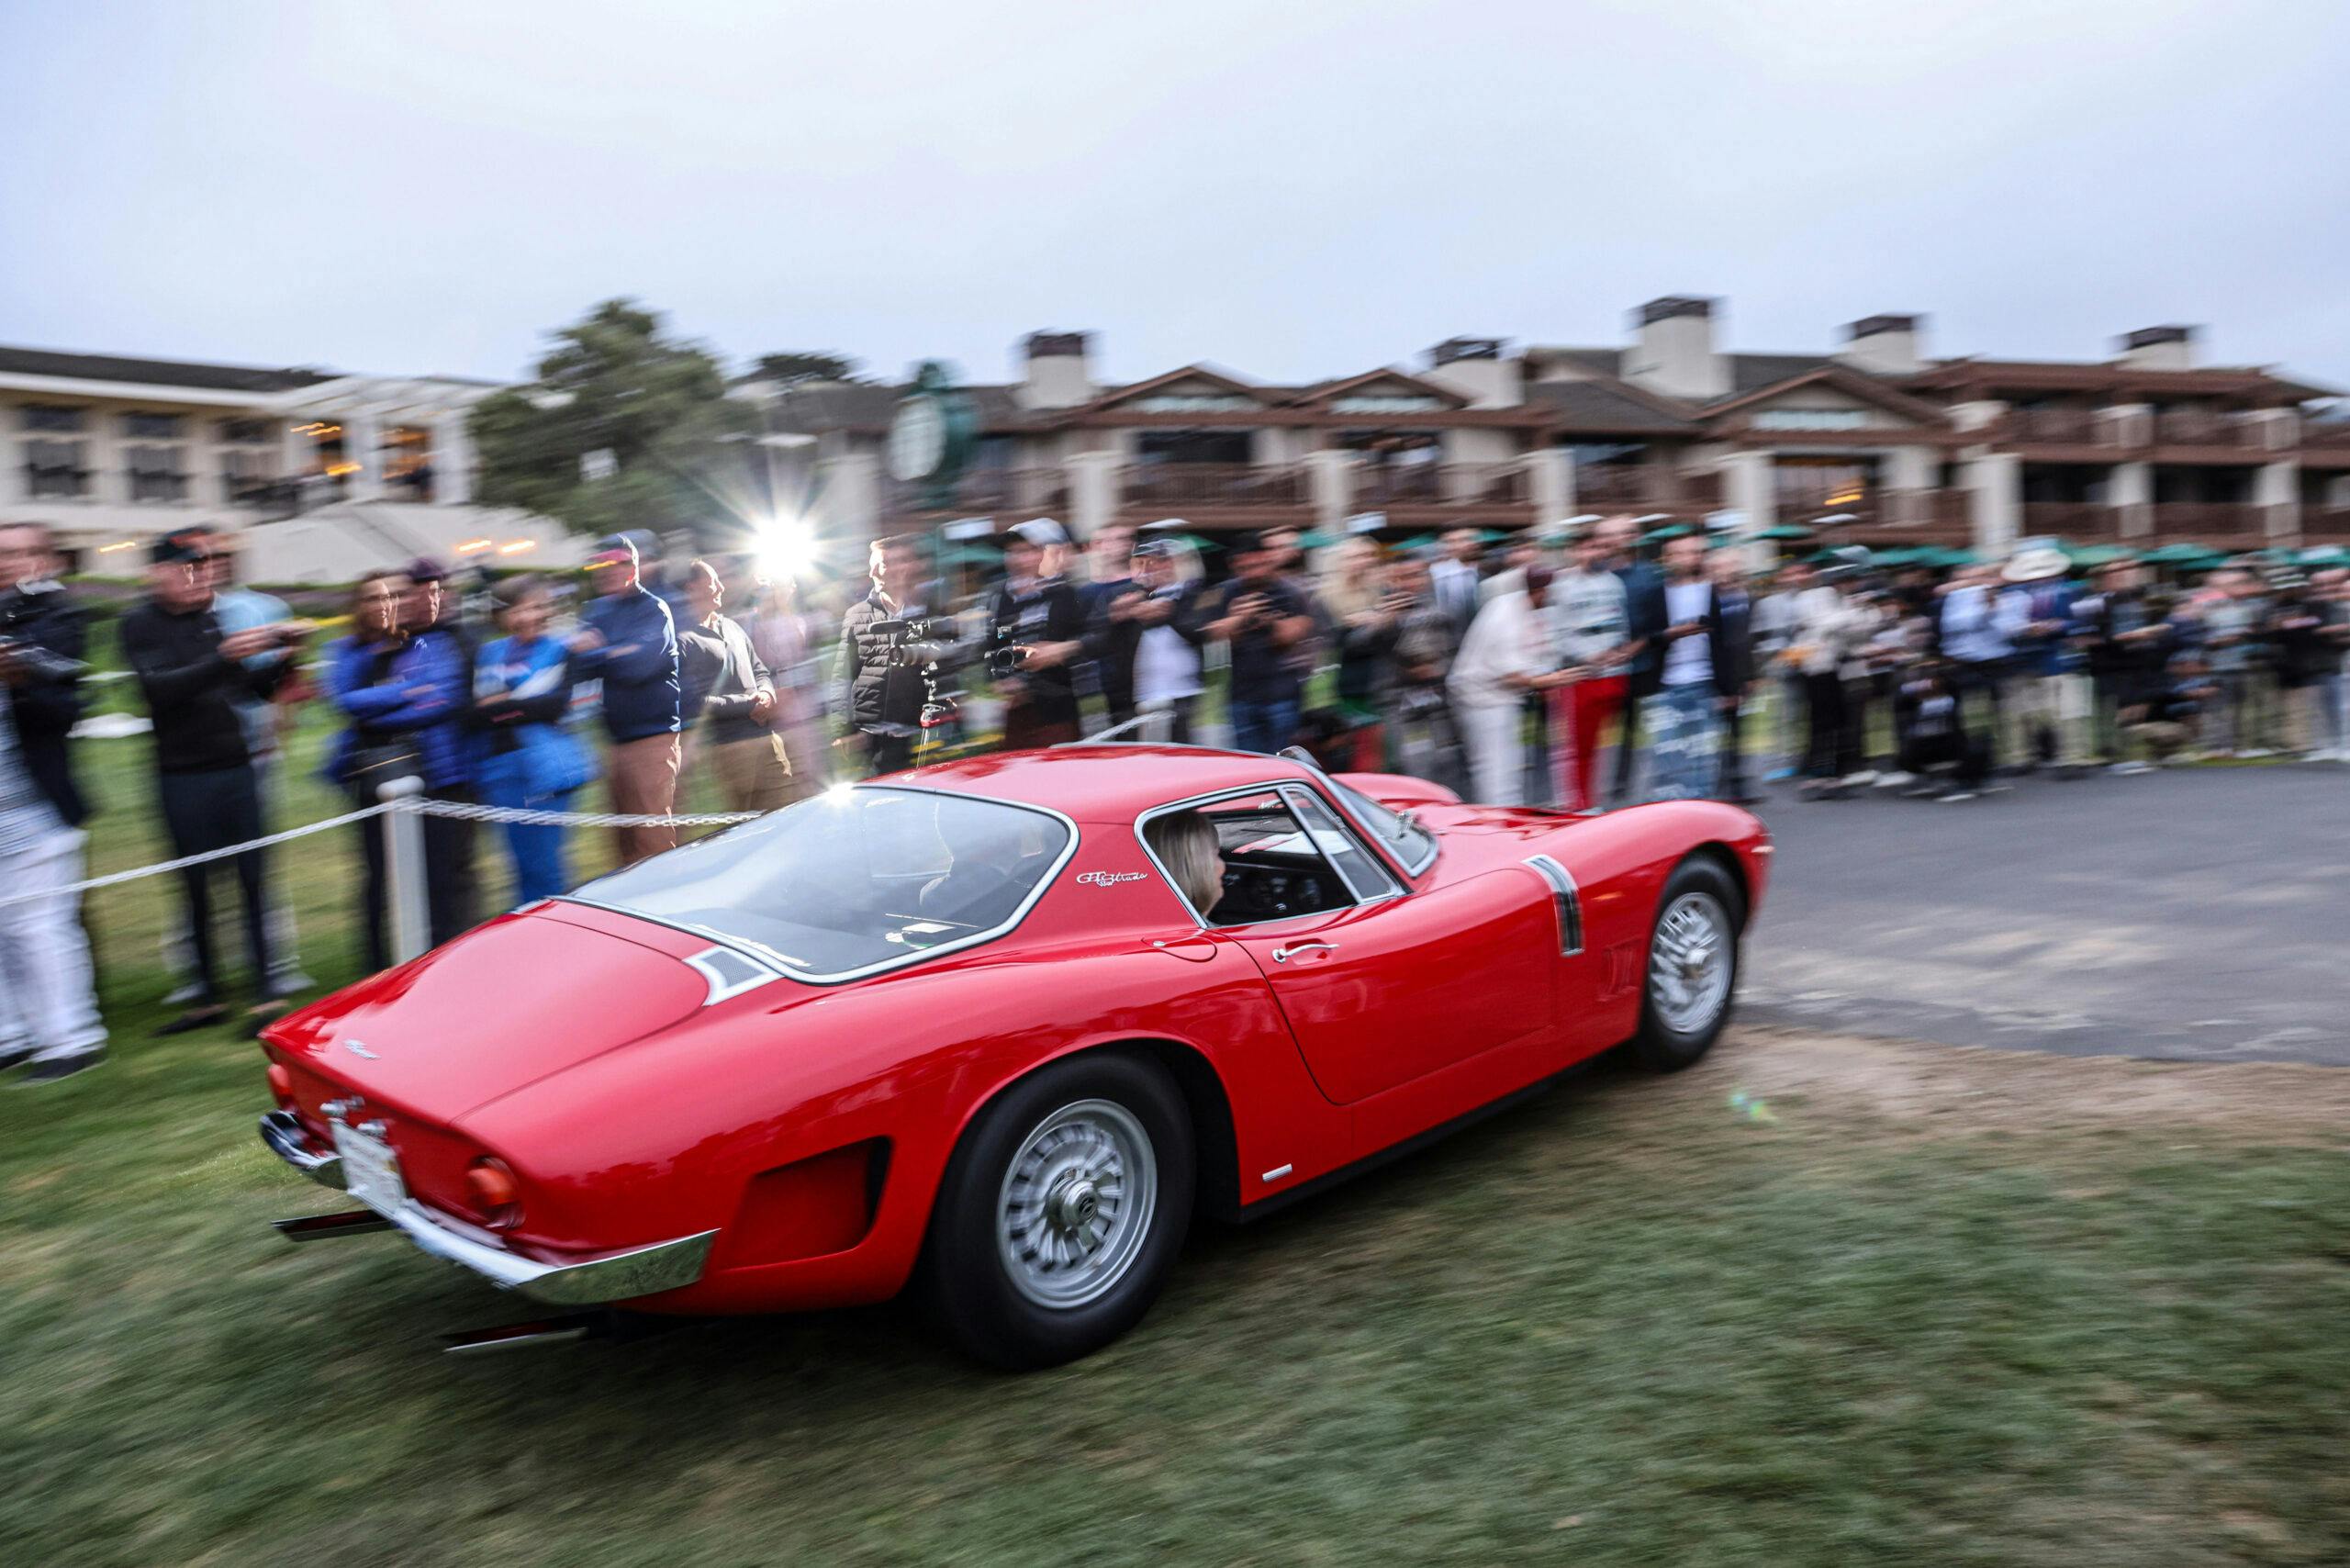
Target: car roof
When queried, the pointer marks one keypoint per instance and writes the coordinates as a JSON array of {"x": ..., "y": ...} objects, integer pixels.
[{"x": 1103, "y": 783}]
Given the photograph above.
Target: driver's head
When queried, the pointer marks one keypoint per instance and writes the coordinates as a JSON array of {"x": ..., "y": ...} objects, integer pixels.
[{"x": 1186, "y": 844}]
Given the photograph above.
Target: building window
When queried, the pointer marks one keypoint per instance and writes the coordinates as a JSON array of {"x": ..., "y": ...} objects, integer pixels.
[
  {"x": 150, "y": 427},
  {"x": 50, "y": 418},
  {"x": 407, "y": 462},
  {"x": 1811, "y": 420},
  {"x": 1385, "y": 403},
  {"x": 156, "y": 472},
  {"x": 1193, "y": 403},
  {"x": 245, "y": 432},
  {"x": 54, "y": 471}
]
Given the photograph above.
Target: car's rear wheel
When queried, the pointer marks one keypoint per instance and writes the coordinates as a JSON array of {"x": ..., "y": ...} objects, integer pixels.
[
  {"x": 1692, "y": 974},
  {"x": 1061, "y": 1211}
]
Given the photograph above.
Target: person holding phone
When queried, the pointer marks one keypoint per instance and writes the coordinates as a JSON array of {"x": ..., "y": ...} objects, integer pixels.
[
  {"x": 1261, "y": 619},
  {"x": 193, "y": 673}
]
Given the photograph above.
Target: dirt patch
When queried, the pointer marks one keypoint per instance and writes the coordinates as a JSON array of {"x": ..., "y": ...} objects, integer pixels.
[{"x": 1926, "y": 1088}]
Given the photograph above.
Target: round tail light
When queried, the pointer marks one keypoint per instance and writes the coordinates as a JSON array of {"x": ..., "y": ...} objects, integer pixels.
[
  {"x": 491, "y": 1190},
  {"x": 281, "y": 1085}
]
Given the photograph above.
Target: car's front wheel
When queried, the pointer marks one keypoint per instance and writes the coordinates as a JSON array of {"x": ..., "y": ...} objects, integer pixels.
[
  {"x": 1692, "y": 966},
  {"x": 1061, "y": 1211}
]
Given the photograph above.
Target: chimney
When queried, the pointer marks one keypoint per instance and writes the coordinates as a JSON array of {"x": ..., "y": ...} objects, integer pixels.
[
  {"x": 1475, "y": 368},
  {"x": 2159, "y": 348},
  {"x": 1055, "y": 370},
  {"x": 1883, "y": 345},
  {"x": 1676, "y": 353}
]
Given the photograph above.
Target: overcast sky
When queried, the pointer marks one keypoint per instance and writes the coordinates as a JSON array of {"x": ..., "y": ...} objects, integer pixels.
[{"x": 1291, "y": 188}]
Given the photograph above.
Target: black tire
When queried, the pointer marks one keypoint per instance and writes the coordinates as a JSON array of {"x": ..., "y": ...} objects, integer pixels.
[
  {"x": 968, "y": 1278},
  {"x": 1665, "y": 1044}
]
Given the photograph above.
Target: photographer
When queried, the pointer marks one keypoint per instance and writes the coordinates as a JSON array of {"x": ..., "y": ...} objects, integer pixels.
[
  {"x": 1161, "y": 633},
  {"x": 882, "y": 683},
  {"x": 49, "y": 1011},
  {"x": 1422, "y": 739},
  {"x": 1035, "y": 630},
  {"x": 193, "y": 674},
  {"x": 1261, "y": 618}
]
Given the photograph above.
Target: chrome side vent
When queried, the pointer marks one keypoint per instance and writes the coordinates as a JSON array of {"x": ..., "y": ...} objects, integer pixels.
[
  {"x": 1564, "y": 898},
  {"x": 729, "y": 973}
]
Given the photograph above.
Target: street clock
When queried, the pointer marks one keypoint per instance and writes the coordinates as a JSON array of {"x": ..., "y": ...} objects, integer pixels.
[{"x": 930, "y": 436}]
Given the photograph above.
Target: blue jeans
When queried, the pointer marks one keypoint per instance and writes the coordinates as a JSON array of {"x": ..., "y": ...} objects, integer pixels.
[
  {"x": 1264, "y": 726},
  {"x": 536, "y": 851},
  {"x": 1683, "y": 737}
]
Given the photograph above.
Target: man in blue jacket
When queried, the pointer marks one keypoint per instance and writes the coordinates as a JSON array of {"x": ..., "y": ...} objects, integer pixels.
[{"x": 628, "y": 642}]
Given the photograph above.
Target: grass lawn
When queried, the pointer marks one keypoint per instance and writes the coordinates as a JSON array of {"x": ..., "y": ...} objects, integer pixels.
[{"x": 1929, "y": 1307}]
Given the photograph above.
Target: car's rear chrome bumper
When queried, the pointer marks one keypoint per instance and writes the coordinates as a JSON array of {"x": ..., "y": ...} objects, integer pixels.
[{"x": 614, "y": 1276}]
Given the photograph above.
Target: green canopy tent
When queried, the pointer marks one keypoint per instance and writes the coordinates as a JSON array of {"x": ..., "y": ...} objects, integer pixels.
[
  {"x": 2097, "y": 554},
  {"x": 1785, "y": 531},
  {"x": 1417, "y": 541},
  {"x": 1669, "y": 532},
  {"x": 2176, "y": 555},
  {"x": 2324, "y": 555},
  {"x": 1314, "y": 539}
]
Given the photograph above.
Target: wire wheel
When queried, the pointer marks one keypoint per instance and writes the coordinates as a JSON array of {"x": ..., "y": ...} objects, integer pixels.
[
  {"x": 1075, "y": 1204},
  {"x": 1690, "y": 963}
]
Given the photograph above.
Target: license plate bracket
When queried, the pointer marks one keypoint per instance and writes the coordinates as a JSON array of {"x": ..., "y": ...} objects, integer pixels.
[{"x": 371, "y": 1171}]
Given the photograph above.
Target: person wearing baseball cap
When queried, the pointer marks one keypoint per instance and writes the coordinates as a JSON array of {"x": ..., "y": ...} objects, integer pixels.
[
  {"x": 629, "y": 641},
  {"x": 1037, "y": 621},
  {"x": 193, "y": 673}
]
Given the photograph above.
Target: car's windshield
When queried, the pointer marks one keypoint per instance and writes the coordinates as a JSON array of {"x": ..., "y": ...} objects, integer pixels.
[
  {"x": 851, "y": 880},
  {"x": 1404, "y": 838}
]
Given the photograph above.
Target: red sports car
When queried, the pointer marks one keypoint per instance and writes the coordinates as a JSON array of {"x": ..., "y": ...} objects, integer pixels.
[{"x": 997, "y": 1029}]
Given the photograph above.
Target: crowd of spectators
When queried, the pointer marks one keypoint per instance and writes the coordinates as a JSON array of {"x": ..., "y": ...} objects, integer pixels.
[{"x": 1566, "y": 668}]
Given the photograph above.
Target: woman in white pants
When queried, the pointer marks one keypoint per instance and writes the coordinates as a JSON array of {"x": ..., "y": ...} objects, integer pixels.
[{"x": 1505, "y": 654}]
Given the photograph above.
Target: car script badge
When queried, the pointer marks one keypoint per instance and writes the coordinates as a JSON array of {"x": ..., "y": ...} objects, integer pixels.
[
  {"x": 1108, "y": 878},
  {"x": 359, "y": 1048}
]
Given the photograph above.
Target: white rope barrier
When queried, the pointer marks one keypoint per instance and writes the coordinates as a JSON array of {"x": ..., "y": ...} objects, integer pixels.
[
  {"x": 412, "y": 805},
  {"x": 184, "y": 861}
]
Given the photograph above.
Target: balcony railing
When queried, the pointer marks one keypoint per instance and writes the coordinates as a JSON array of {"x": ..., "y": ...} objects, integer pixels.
[
  {"x": 1645, "y": 486},
  {"x": 2210, "y": 523},
  {"x": 983, "y": 490},
  {"x": 2060, "y": 427},
  {"x": 1213, "y": 484},
  {"x": 2078, "y": 522},
  {"x": 1396, "y": 486},
  {"x": 2325, "y": 525},
  {"x": 2201, "y": 427}
]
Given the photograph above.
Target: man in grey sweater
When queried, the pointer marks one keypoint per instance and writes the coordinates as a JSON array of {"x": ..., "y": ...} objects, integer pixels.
[{"x": 729, "y": 691}]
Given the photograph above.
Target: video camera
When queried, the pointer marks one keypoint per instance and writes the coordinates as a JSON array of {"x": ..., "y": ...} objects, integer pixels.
[
  {"x": 44, "y": 664},
  {"x": 903, "y": 640}
]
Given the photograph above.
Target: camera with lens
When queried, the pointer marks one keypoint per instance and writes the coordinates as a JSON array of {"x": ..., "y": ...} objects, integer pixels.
[
  {"x": 1004, "y": 656},
  {"x": 44, "y": 664},
  {"x": 905, "y": 642}
]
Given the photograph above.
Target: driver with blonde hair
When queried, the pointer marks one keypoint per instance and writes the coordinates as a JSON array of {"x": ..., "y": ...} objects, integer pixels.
[{"x": 1186, "y": 844}]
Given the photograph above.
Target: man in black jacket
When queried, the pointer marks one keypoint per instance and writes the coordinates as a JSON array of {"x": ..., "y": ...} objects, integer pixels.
[
  {"x": 1110, "y": 598},
  {"x": 191, "y": 674},
  {"x": 48, "y": 1009},
  {"x": 1645, "y": 614},
  {"x": 881, "y": 672},
  {"x": 1729, "y": 632}
]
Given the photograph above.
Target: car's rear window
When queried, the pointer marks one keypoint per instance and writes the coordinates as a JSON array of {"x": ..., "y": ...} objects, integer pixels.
[{"x": 853, "y": 879}]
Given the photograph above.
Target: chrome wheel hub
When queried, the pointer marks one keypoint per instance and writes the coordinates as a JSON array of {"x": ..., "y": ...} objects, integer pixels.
[
  {"x": 1691, "y": 963},
  {"x": 1076, "y": 1205}
]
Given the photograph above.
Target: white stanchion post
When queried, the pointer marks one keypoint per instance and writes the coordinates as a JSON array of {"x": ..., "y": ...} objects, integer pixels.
[{"x": 411, "y": 910}]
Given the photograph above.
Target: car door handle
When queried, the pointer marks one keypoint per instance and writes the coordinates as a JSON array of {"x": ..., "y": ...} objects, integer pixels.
[{"x": 1282, "y": 955}]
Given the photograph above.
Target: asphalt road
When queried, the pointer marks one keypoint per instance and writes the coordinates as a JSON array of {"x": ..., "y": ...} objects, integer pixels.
[{"x": 2198, "y": 914}]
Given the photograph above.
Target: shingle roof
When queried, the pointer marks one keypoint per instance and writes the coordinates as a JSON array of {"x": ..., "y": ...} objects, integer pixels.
[
  {"x": 866, "y": 408},
  {"x": 156, "y": 372},
  {"x": 1596, "y": 405},
  {"x": 1752, "y": 371}
]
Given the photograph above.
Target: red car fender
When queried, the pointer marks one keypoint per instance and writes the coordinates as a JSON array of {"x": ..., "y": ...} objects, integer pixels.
[{"x": 749, "y": 1088}]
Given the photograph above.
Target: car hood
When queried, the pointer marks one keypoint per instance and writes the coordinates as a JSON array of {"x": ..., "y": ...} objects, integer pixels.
[{"x": 502, "y": 1006}]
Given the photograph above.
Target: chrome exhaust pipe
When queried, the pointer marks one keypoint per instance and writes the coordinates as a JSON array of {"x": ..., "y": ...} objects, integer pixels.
[{"x": 568, "y": 1329}]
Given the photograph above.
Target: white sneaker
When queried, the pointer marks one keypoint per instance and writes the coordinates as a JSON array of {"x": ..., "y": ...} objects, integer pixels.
[
  {"x": 1892, "y": 781},
  {"x": 2130, "y": 769},
  {"x": 2255, "y": 753},
  {"x": 181, "y": 995},
  {"x": 1855, "y": 780},
  {"x": 1956, "y": 795}
]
